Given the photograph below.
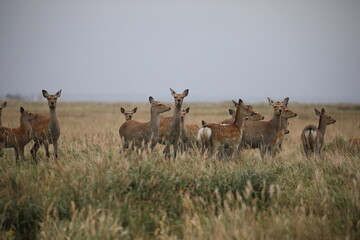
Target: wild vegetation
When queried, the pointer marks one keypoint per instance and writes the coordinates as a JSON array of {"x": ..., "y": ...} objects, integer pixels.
[{"x": 92, "y": 192}]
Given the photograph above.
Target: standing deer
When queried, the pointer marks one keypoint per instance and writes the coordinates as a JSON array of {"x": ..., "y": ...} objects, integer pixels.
[
  {"x": 46, "y": 130},
  {"x": 287, "y": 114},
  {"x": 215, "y": 135},
  {"x": 312, "y": 137},
  {"x": 262, "y": 134},
  {"x": 175, "y": 125},
  {"x": 165, "y": 123},
  {"x": 128, "y": 114},
  {"x": 138, "y": 133},
  {"x": 255, "y": 117},
  {"x": 17, "y": 138},
  {"x": 2, "y": 106}
]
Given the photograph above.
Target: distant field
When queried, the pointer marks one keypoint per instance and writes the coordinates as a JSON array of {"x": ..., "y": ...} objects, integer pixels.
[{"x": 91, "y": 192}]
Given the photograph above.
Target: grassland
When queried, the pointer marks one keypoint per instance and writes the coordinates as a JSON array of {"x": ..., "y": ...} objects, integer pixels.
[{"x": 91, "y": 192}]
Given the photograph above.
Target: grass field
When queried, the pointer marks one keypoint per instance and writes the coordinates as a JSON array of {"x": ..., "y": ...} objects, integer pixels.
[{"x": 91, "y": 192}]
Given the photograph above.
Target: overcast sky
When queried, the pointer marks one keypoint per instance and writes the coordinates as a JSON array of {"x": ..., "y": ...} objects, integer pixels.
[{"x": 127, "y": 50}]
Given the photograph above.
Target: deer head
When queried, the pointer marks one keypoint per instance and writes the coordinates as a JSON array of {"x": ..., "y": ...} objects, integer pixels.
[
  {"x": 325, "y": 119},
  {"x": 179, "y": 98},
  {"x": 51, "y": 98},
  {"x": 128, "y": 114}
]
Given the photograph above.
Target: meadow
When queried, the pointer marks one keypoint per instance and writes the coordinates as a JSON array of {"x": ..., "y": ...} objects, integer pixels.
[{"x": 93, "y": 192}]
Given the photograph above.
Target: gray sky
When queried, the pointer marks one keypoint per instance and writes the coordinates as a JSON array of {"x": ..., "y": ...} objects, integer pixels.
[{"x": 122, "y": 50}]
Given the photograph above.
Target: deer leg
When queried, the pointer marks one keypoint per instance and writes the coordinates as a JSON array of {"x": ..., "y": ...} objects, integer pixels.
[
  {"x": 22, "y": 154},
  {"x": 16, "y": 155},
  {"x": 176, "y": 144},
  {"x": 34, "y": 149},
  {"x": 166, "y": 151},
  {"x": 55, "y": 143},
  {"x": 46, "y": 145}
]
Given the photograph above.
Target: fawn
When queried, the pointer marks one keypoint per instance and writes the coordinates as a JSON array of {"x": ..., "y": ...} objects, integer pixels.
[
  {"x": 215, "y": 135},
  {"x": 17, "y": 138},
  {"x": 312, "y": 137},
  {"x": 175, "y": 125},
  {"x": 46, "y": 130},
  {"x": 138, "y": 133}
]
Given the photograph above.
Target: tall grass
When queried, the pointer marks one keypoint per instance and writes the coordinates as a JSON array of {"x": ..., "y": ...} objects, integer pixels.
[{"x": 91, "y": 192}]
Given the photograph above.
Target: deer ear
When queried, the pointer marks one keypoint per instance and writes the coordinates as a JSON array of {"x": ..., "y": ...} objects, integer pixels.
[
  {"x": 322, "y": 111},
  {"x": 134, "y": 110},
  {"x": 172, "y": 92},
  {"x": 317, "y": 112},
  {"x": 186, "y": 92},
  {"x": 270, "y": 101},
  {"x": 231, "y": 112},
  {"x": 4, "y": 104},
  {"x": 122, "y": 110},
  {"x": 240, "y": 102},
  {"x": 45, "y": 93},
  {"x": 151, "y": 99},
  {"x": 58, "y": 94},
  {"x": 187, "y": 109},
  {"x": 203, "y": 123},
  {"x": 22, "y": 110},
  {"x": 285, "y": 102},
  {"x": 235, "y": 103}
]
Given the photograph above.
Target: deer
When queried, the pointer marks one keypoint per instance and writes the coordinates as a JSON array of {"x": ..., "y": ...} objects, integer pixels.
[
  {"x": 312, "y": 137},
  {"x": 46, "y": 130},
  {"x": 214, "y": 135},
  {"x": 2, "y": 106},
  {"x": 287, "y": 114},
  {"x": 175, "y": 124},
  {"x": 139, "y": 133},
  {"x": 17, "y": 138},
  {"x": 255, "y": 117},
  {"x": 165, "y": 123},
  {"x": 128, "y": 114},
  {"x": 263, "y": 134}
]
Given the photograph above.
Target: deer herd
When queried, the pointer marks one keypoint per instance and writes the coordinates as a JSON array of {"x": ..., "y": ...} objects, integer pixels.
[{"x": 246, "y": 129}]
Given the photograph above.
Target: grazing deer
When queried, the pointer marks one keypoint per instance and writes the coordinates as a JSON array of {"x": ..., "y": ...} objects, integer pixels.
[
  {"x": 2, "y": 106},
  {"x": 255, "y": 117},
  {"x": 263, "y": 134},
  {"x": 175, "y": 125},
  {"x": 312, "y": 137},
  {"x": 17, "y": 138},
  {"x": 128, "y": 114},
  {"x": 215, "y": 135},
  {"x": 138, "y": 133},
  {"x": 46, "y": 130},
  {"x": 287, "y": 114}
]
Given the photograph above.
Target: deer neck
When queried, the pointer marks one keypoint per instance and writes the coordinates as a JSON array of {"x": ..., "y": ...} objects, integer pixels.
[
  {"x": 154, "y": 124},
  {"x": 322, "y": 126},
  {"x": 25, "y": 125},
  {"x": 239, "y": 118},
  {"x": 176, "y": 119},
  {"x": 284, "y": 124},
  {"x": 276, "y": 122},
  {"x": 53, "y": 118}
]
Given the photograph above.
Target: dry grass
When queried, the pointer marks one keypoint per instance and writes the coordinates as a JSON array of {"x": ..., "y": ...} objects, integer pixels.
[{"x": 91, "y": 192}]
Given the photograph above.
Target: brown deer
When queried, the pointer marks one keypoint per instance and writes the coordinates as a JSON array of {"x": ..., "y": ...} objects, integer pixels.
[
  {"x": 165, "y": 123},
  {"x": 287, "y": 114},
  {"x": 215, "y": 135},
  {"x": 175, "y": 125},
  {"x": 263, "y": 134},
  {"x": 255, "y": 117},
  {"x": 46, "y": 130},
  {"x": 128, "y": 114},
  {"x": 2, "y": 106},
  {"x": 17, "y": 138},
  {"x": 312, "y": 137},
  {"x": 138, "y": 133}
]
